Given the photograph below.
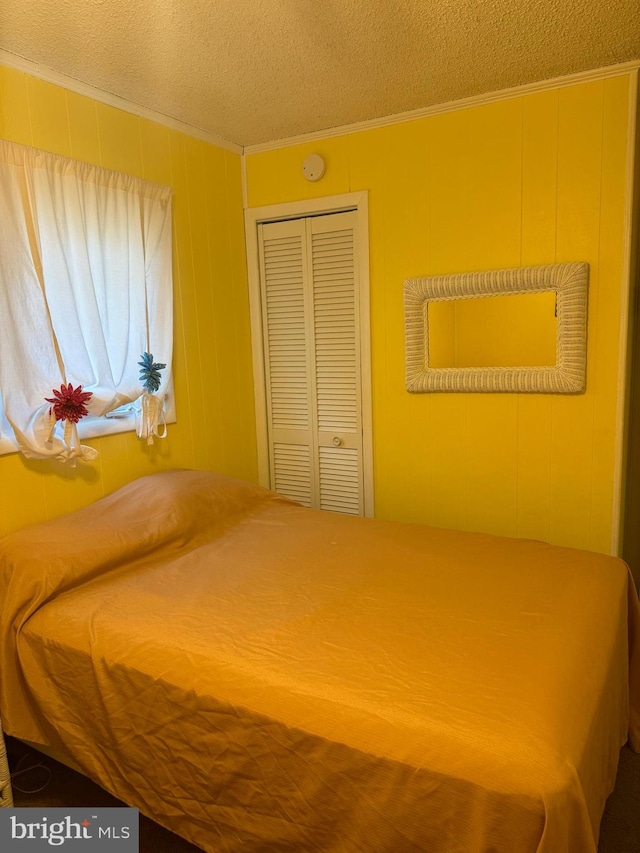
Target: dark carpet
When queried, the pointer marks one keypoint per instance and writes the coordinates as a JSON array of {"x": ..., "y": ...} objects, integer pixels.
[{"x": 620, "y": 830}]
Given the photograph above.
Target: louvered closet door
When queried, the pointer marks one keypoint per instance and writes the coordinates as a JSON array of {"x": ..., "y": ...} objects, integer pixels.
[
  {"x": 312, "y": 358},
  {"x": 336, "y": 362},
  {"x": 285, "y": 313}
]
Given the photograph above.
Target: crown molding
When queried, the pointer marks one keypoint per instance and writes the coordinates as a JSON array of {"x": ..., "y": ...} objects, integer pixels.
[
  {"x": 449, "y": 106},
  {"x": 34, "y": 69}
]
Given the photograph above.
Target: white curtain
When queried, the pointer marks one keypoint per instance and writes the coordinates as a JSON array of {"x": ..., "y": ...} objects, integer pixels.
[{"x": 85, "y": 287}]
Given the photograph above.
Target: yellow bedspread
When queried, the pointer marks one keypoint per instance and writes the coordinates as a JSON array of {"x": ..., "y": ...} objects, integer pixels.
[{"x": 257, "y": 676}]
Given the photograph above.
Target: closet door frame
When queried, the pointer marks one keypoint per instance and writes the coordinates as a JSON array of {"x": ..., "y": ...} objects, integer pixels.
[{"x": 255, "y": 216}]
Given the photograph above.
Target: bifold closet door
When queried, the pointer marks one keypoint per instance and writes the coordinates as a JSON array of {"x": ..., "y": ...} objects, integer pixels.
[{"x": 312, "y": 360}]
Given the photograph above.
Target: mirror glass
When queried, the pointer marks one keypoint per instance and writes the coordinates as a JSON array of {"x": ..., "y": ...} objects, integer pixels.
[{"x": 512, "y": 330}]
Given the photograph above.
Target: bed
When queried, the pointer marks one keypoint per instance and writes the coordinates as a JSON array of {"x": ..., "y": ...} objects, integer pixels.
[{"x": 261, "y": 677}]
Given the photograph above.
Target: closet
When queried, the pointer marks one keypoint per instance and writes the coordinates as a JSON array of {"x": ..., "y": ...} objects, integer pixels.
[{"x": 311, "y": 340}]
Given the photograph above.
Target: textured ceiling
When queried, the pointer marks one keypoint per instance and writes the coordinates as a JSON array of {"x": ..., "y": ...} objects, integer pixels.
[{"x": 260, "y": 70}]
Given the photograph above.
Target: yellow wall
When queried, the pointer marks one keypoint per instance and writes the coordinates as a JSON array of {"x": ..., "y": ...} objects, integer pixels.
[
  {"x": 212, "y": 355},
  {"x": 534, "y": 179},
  {"x": 538, "y": 178}
]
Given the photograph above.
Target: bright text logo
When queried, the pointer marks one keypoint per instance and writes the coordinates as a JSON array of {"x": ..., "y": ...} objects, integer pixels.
[{"x": 74, "y": 829}]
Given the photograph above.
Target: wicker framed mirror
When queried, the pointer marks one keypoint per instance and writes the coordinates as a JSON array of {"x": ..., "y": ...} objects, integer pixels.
[{"x": 567, "y": 375}]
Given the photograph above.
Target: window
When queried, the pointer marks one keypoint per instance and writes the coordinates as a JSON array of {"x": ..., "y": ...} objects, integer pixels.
[{"x": 85, "y": 290}]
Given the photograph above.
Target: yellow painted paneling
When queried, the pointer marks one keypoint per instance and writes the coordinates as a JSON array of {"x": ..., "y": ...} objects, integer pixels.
[
  {"x": 83, "y": 128},
  {"x": 142, "y": 459},
  {"x": 156, "y": 151},
  {"x": 119, "y": 140},
  {"x": 22, "y": 496},
  {"x": 494, "y": 193},
  {"x": 539, "y": 177},
  {"x": 534, "y": 179},
  {"x": 244, "y": 442},
  {"x": 215, "y": 427},
  {"x": 66, "y": 489},
  {"x": 113, "y": 462},
  {"x": 49, "y": 117},
  {"x": 406, "y": 219},
  {"x": 533, "y": 497},
  {"x": 448, "y": 211},
  {"x": 492, "y": 469},
  {"x": 16, "y": 117},
  {"x": 263, "y": 178},
  {"x": 447, "y": 447}
]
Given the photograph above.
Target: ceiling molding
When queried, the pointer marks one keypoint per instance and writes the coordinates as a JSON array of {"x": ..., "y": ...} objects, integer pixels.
[
  {"x": 41, "y": 72},
  {"x": 33, "y": 69},
  {"x": 450, "y": 106}
]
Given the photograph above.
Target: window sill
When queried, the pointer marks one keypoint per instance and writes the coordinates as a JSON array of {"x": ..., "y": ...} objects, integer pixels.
[{"x": 96, "y": 427}]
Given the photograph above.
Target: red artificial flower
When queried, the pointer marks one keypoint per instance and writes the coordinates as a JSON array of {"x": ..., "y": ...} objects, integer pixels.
[{"x": 69, "y": 403}]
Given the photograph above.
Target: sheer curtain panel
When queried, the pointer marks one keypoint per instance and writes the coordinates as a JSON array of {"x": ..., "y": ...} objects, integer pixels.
[{"x": 85, "y": 289}]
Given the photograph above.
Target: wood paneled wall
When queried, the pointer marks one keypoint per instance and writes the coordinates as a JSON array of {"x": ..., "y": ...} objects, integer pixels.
[
  {"x": 212, "y": 349},
  {"x": 535, "y": 179}
]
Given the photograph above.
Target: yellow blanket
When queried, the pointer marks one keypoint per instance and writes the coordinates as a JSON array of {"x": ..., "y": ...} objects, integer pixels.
[{"x": 257, "y": 676}]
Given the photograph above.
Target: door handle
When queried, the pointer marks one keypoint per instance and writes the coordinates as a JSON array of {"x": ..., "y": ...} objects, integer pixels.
[{"x": 337, "y": 440}]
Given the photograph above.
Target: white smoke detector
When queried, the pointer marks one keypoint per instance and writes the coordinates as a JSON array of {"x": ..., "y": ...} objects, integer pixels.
[{"x": 313, "y": 167}]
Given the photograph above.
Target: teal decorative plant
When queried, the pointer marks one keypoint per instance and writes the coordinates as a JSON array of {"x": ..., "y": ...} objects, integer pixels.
[{"x": 150, "y": 372}]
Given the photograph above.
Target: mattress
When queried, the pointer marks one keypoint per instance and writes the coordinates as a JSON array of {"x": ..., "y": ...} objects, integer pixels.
[{"x": 257, "y": 676}]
